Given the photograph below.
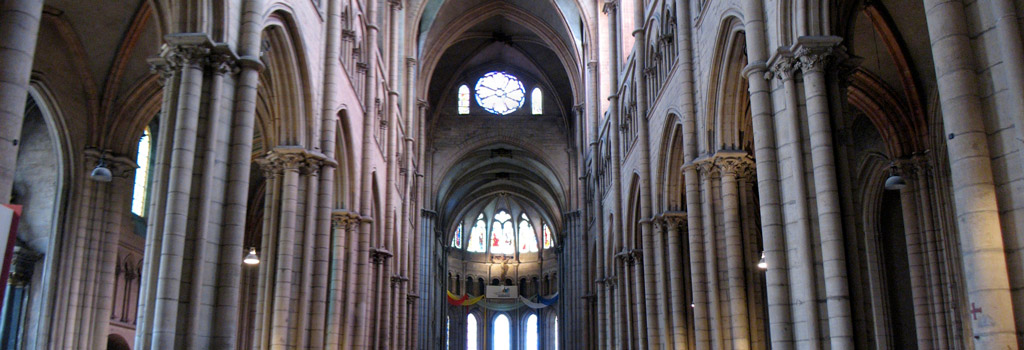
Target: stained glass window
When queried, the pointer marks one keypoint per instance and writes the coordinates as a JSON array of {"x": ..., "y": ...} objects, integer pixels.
[
  {"x": 463, "y": 99},
  {"x": 142, "y": 174},
  {"x": 457, "y": 240},
  {"x": 527, "y": 236},
  {"x": 502, "y": 234},
  {"x": 547, "y": 236},
  {"x": 532, "y": 337},
  {"x": 500, "y": 93},
  {"x": 471, "y": 343},
  {"x": 502, "y": 333},
  {"x": 478, "y": 236},
  {"x": 537, "y": 101}
]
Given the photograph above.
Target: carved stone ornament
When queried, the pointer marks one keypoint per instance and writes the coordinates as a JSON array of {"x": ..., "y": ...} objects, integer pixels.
[
  {"x": 734, "y": 163},
  {"x": 782, "y": 67}
]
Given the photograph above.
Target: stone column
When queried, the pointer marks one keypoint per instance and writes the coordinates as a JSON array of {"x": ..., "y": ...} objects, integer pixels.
[
  {"x": 353, "y": 256},
  {"x": 340, "y": 222},
  {"x": 698, "y": 270},
  {"x": 624, "y": 321},
  {"x": 799, "y": 243},
  {"x": 225, "y": 324},
  {"x": 370, "y": 98},
  {"x": 814, "y": 54},
  {"x": 282, "y": 273},
  {"x": 708, "y": 173},
  {"x": 220, "y": 63},
  {"x": 643, "y": 331},
  {"x": 652, "y": 321},
  {"x": 19, "y": 26},
  {"x": 732, "y": 164},
  {"x": 767, "y": 169},
  {"x": 661, "y": 282},
  {"x": 327, "y": 304},
  {"x": 186, "y": 52},
  {"x": 915, "y": 257},
  {"x": 676, "y": 279},
  {"x": 85, "y": 271},
  {"x": 932, "y": 255},
  {"x": 308, "y": 236}
]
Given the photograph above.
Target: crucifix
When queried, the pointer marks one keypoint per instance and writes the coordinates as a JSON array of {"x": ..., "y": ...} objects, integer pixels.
[{"x": 975, "y": 311}]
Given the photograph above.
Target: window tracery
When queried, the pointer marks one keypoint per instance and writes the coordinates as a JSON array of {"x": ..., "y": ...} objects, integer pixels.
[
  {"x": 457, "y": 239},
  {"x": 527, "y": 236},
  {"x": 548, "y": 243},
  {"x": 502, "y": 234},
  {"x": 500, "y": 93},
  {"x": 478, "y": 236},
  {"x": 463, "y": 99}
]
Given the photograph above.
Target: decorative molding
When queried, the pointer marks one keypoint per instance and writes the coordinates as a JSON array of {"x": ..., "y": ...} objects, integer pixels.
[
  {"x": 815, "y": 53},
  {"x": 734, "y": 162},
  {"x": 782, "y": 66},
  {"x": 379, "y": 255},
  {"x": 609, "y": 6}
]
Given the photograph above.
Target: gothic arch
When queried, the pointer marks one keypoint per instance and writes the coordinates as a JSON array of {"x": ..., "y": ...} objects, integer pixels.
[
  {"x": 670, "y": 162},
  {"x": 284, "y": 98},
  {"x": 344, "y": 154},
  {"x": 728, "y": 102},
  {"x": 439, "y": 42}
]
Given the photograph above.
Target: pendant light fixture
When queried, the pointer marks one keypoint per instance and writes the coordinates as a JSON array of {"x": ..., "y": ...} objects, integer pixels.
[{"x": 251, "y": 258}]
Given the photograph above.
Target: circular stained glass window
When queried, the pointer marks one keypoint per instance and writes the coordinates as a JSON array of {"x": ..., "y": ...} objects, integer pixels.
[{"x": 500, "y": 93}]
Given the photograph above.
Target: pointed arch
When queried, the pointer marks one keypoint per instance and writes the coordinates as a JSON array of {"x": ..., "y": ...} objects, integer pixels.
[
  {"x": 502, "y": 234},
  {"x": 285, "y": 83},
  {"x": 728, "y": 102},
  {"x": 478, "y": 236},
  {"x": 537, "y": 101},
  {"x": 527, "y": 235},
  {"x": 463, "y": 99},
  {"x": 457, "y": 237}
]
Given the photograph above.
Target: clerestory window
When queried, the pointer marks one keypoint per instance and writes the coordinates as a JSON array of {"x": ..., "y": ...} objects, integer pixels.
[{"x": 500, "y": 93}]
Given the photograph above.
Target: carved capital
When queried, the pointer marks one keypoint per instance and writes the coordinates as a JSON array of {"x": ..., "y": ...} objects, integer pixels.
[
  {"x": 735, "y": 163},
  {"x": 815, "y": 53},
  {"x": 160, "y": 66},
  {"x": 379, "y": 255},
  {"x": 340, "y": 220},
  {"x": 609, "y": 6},
  {"x": 397, "y": 280},
  {"x": 782, "y": 66},
  {"x": 186, "y": 49},
  {"x": 222, "y": 63},
  {"x": 706, "y": 166},
  {"x": 636, "y": 256},
  {"x": 348, "y": 35},
  {"x": 673, "y": 220},
  {"x": 396, "y": 5}
]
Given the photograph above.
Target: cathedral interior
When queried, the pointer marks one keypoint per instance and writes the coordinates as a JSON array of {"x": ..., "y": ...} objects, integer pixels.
[{"x": 512, "y": 174}]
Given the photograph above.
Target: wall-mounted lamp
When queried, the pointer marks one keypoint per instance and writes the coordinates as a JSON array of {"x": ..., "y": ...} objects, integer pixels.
[
  {"x": 101, "y": 173},
  {"x": 763, "y": 263},
  {"x": 894, "y": 182},
  {"x": 251, "y": 258}
]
